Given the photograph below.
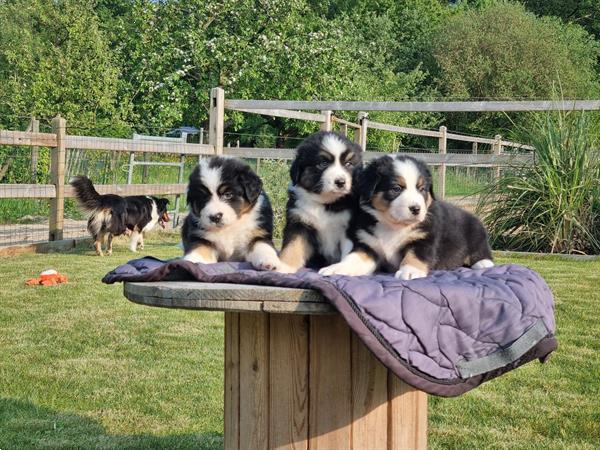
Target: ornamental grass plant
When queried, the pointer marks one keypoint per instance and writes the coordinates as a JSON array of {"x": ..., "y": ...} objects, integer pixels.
[{"x": 553, "y": 205}]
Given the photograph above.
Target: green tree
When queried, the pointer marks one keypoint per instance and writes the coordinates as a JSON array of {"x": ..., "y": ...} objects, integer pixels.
[
  {"x": 54, "y": 59},
  {"x": 502, "y": 51}
]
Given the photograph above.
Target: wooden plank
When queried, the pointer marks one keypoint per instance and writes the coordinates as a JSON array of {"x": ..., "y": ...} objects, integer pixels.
[
  {"x": 217, "y": 120},
  {"x": 288, "y": 382},
  {"x": 369, "y": 399},
  {"x": 464, "y": 159},
  {"x": 364, "y": 129},
  {"x": 564, "y": 105},
  {"x": 231, "y": 417},
  {"x": 42, "y": 247},
  {"x": 57, "y": 176},
  {"x": 330, "y": 406},
  {"x": 134, "y": 189},
  {"x": 465, "y": 138},
  {"x": 326, "y": 125},
  {"x": 254, "y": 381},
  {"x": 407, "y": 416},
  {"x": 265, "y": 153},
  {"x": 405, "y": 130},
  {"x": 290, "y": 114},
  {"x": 129, "y": 145},
  {"x": 345, "y": 122},
  {"x": 27, "y": 191},
  {"x": 516, "y": 145},
  {"x": 450, "y": 159},
  {"x": 227, "y": 297},
  {"x": 145, "y": 137},
  {"x": 442, "y": 145},
  {"x": 35, "y": 150},
  {"x": 8, "y": 137}
]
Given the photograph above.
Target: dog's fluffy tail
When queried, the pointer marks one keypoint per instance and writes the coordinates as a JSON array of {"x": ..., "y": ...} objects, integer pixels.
[{"x": 86, "y": 194}]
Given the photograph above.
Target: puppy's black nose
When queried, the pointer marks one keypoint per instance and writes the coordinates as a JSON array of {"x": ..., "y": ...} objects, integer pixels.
[
  {"x": 415, "y": 209},
  {"x": 216, "y": 218},
  {"x": 340, "y": 182}
]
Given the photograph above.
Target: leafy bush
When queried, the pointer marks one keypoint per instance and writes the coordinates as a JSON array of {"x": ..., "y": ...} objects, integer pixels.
[{"x": 553, "y": 205}]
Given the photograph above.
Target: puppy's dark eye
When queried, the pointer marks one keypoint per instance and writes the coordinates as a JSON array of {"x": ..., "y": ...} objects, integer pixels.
[
  {"x": 227, "y": 195},
  {"x": 396, "y": 189},
  {"x": 322, "y": 165},
  {"x": 349, "y": 164},
  {"x": 423, "y": 189}
]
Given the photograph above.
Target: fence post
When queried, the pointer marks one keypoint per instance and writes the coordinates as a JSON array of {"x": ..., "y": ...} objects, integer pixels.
[
  {"x": 130, "y": 168},
  {"x": 201, "y": 141},
  {"x": 35, "y": 152},
  {"x": 326, "y": 126},
  {"x": 442, "y": 146},
  {"x": 360, "y": 135},
  {"x": 474, "y": 152},
  {"x": 57, "y": 175},
  {"x": 496, "y": 150},
  {"x": 216, "y": 119}
]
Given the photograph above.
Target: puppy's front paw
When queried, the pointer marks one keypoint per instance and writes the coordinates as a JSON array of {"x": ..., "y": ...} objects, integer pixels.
[
  {"x": 409, "y": 272},
  {"x": 284, "y": 268},
  {"x": 336, "y": 269},
  {"x": 483, "y": 264}
]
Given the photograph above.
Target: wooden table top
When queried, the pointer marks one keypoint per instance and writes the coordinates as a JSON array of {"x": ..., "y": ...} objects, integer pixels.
[{"x": 227, "y": 297}]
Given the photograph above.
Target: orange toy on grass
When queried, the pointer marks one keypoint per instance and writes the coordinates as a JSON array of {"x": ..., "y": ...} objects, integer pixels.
[{"x": 48, "y": 278}]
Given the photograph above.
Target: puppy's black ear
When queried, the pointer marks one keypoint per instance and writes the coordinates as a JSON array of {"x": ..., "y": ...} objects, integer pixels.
[
  {"x": 295, "y": 171},
  {"x": 368, "y": 178},
  {"x": 251, "y": 184},
  {"x": 431, "y": 194},
  {"x": 366, "y": 181}
]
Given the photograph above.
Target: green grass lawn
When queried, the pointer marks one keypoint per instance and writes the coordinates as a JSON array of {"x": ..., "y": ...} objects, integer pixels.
[{"x": 81, "y": 367}]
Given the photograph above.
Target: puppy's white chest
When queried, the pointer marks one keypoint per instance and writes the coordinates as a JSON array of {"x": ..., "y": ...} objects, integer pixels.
[
  {"x": 331, "y": 227},
  {"x": 234, "y": 240},
  {"x": 387, "y": 241}
]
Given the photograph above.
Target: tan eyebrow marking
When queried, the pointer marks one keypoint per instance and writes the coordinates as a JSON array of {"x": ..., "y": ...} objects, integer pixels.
[
  {"x": 325, "y": 154},
  {"x": 420, "y": 182},
  {"x": 401, "y": 181}
]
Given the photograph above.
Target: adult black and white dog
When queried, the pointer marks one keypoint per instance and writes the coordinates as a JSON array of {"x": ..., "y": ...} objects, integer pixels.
[
  {"x": 400, "y": 227},
  {"x": 320, "y": 202},
  {"x": 230, "y": 216},
  {"x": 112, "y": 215}
]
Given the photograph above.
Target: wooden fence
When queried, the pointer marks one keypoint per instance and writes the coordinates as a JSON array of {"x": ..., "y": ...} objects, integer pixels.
[{"x": 59, "y": 141}]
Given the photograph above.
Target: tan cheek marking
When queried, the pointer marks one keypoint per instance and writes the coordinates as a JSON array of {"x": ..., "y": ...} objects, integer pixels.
[
  {"x": 246, "y": 207},
  {"x": 208, "y": 254},
  {"x": 296, "y": 252},
  {"x": 428, "y": 200},
  {"x": 411, "y": 259},
  {"x": 379, "y": 203}
]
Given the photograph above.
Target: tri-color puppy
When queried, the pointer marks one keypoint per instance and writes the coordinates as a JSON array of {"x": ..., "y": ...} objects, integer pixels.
[
  {"x": 400, "y": 227},
  {"x": 320, "y": 203},
  {"x": 230, "y": 216}
]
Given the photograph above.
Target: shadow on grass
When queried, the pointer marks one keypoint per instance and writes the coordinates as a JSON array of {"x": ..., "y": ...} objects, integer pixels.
[{"x": 24, "y": 425}]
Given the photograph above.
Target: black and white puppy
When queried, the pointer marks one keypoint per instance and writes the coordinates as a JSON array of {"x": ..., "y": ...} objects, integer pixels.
[
  {"x": 321, "y": 201},
  {"x": 230, "y": 216},
  {"x": 400, "y": 227},
  {"x": 112, "y": 215}
]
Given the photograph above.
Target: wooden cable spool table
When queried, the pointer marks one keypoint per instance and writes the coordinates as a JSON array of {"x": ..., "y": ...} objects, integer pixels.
[{"x": 296, "y": 377}]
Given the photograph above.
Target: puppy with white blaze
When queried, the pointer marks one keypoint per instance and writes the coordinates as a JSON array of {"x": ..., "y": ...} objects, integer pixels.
[
  {"x": 230, "y": 216},
  {"x": 321, "y": 201},
  {"x": 400, "y": 227}
]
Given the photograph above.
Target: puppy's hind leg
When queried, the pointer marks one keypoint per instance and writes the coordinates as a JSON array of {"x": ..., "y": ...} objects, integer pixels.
[
  {"x": 109, "y": 242},
  {"x": 134, "y": 240}
]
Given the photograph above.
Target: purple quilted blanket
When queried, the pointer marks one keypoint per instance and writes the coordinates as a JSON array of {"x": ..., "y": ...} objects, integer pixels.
[{"x": 444, "y": 334}]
